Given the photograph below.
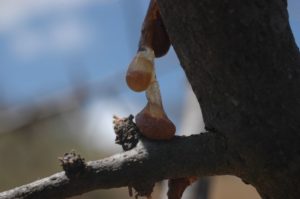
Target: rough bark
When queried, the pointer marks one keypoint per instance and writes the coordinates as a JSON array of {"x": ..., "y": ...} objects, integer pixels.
[
  {"x": 244, "y": 67},
  {"x": 243, "y": 64},
  {"x": 149, "y": 162}
]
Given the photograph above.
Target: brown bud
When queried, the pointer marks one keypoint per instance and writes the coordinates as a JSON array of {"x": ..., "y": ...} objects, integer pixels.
[{"x": 140, "y": 70}]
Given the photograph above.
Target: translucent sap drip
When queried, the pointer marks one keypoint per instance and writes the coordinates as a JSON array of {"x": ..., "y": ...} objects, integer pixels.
[{"x": 140, "y": 70}]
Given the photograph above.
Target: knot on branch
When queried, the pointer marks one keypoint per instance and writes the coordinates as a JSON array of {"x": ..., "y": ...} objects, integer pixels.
[
  {"x": 142, "y": 189},
  {"x": 72, "y": 164},
  {"x": 177, "y": 186},
  {"x": 127, "y": 133}
]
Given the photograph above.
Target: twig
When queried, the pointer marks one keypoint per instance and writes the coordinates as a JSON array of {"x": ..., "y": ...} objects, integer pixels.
[{"x": 151, "y": 161}]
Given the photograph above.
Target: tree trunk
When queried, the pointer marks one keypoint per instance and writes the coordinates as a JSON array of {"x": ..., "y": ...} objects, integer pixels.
[{"x": 244, "y": 67}]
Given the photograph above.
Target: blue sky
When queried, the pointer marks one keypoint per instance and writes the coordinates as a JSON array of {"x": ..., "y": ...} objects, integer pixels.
[
  {"x": 44, "y": 43},
  {"x": 39, "y": 49}
]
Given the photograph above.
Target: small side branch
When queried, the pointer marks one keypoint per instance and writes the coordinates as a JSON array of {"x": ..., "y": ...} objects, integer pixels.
[{"x": 151, "y": 161}]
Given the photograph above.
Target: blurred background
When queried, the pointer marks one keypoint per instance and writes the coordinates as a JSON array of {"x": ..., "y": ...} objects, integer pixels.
[{"x": 62, "y": 70}]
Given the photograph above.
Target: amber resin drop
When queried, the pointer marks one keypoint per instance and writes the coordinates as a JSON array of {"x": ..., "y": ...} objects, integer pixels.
[
  {"x": 140, "y": 70},
  {"x": 152, "y": 121},
  {"x": 155, "y": 124}
]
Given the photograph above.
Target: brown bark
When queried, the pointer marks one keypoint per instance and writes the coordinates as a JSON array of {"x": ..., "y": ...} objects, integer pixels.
[{"x": 243, "y": 64}]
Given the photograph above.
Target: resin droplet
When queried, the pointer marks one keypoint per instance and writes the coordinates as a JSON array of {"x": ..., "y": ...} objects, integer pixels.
[
  {"x": 140, "y": 70},
  {"x": 153, "y": 127},
  {"x": 152, "y": 121}
]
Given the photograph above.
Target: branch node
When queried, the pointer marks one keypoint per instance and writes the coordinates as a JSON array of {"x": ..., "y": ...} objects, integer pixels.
[
  {"x": 72, "y": 164},
  {"x": 177, "y": 186},
  {"x": 143, "y": 189},
  {"x": 127, "y": 133}
]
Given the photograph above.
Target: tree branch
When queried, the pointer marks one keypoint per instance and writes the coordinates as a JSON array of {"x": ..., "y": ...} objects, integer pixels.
[{"x": 151, "y": 161}]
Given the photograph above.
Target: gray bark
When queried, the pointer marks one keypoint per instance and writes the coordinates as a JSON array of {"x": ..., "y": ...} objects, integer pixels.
[
  {"x": 149, "y": 162},
  {"x": 244, "y": 67},
  {"x": 243, "y": 64}
]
